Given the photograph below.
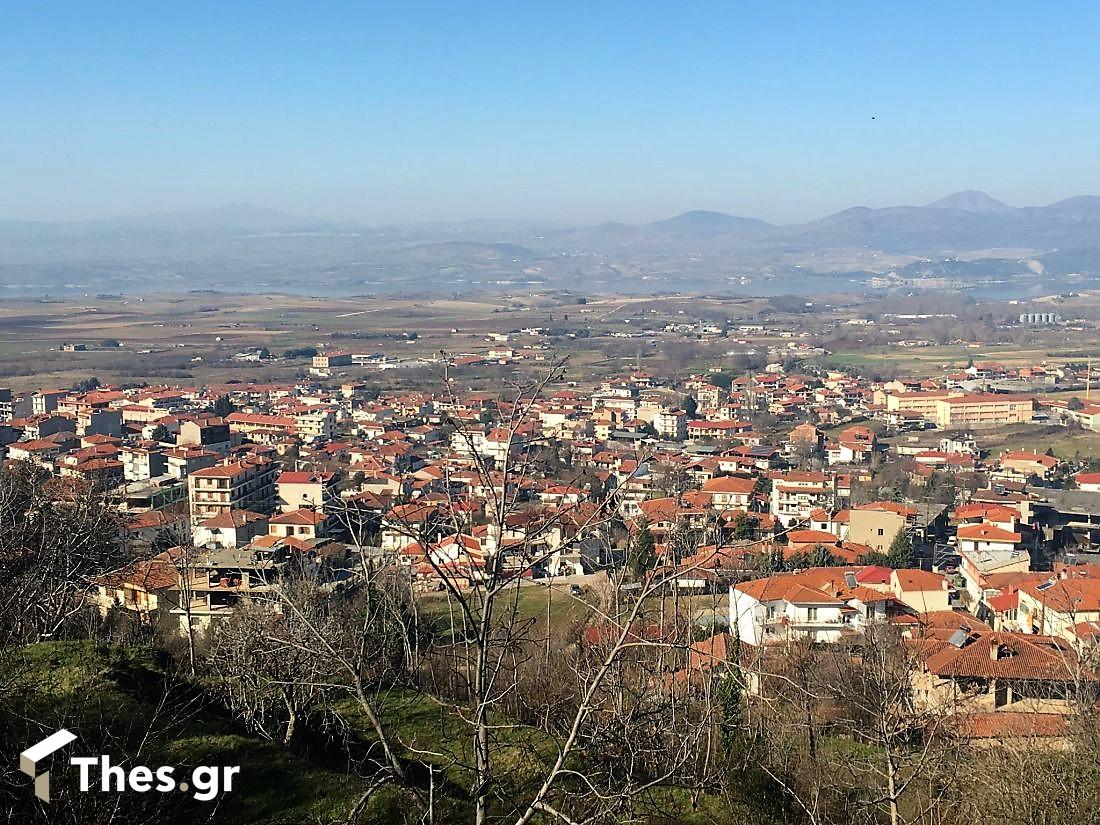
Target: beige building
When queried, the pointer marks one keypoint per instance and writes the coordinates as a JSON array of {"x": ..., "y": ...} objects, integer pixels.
[
  {"x": 238, "y": 485},
  {"x": 304, "y": 488},
  {"x": 920, "y": 590},
  {"x": 875, "y": 528},
  {"x": 978, "y": 411},
  {"x": 922, "y": 403}
]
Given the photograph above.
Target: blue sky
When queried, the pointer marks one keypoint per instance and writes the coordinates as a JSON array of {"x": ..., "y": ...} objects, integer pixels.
[{"x": 560, "y": 110}]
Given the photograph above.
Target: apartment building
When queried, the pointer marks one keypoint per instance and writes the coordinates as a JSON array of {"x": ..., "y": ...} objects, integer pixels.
[
  {"x": 237, "y": 485},
  {"x": 46, "y": 401},
  {"x": 209, "y": 434},
  {"x": 142, "y": 463},
  {"x": 671, "y": 424},
  {"x": 795, "y": 495}
]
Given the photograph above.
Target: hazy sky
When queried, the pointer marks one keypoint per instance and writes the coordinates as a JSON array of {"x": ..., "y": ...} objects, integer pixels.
[{"x": 572, "y": 111}]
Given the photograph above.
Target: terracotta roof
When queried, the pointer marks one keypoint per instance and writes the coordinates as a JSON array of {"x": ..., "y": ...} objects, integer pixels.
[
  {"x": 999, "y": 655},
  {"x": 919, "y": 580},
  {"x": 1010, "y": 724},
  {"x": 987, "y": 532},
  {"x": 730, "y": 484},
  {"x": 303, "y": 477},
  {"x": 232, "y": 519},
  {"x": 299, "y": 517},
  {"x": 787, "y": 588},
  {"x": 811, "y": 537}
]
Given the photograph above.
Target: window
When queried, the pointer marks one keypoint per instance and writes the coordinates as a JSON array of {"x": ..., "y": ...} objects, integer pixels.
[
  {"x": 811, "y": 614},
  {"x": 880, "y": 531}
]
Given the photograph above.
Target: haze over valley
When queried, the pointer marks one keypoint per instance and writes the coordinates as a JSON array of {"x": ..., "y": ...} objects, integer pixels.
[{"x": 966, "y": 240}]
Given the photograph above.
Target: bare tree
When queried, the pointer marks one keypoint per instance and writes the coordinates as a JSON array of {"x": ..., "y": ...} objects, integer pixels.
[{"x": 56, "y": 534}]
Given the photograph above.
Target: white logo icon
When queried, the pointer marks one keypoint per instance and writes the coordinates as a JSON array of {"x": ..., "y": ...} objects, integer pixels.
[{"x": 29, "y": 759}]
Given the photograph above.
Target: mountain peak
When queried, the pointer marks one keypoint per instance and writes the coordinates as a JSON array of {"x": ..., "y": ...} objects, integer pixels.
[
  {"x": 703, "y": 222},
  {"x": 971, "y": 200}
]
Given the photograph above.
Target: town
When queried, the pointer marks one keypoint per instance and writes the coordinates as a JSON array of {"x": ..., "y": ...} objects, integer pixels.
[{"x": 744, "y": 514}]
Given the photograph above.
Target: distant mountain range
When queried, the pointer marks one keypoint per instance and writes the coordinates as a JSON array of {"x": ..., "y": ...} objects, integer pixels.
[
  {"x": 961, "y": 221},
  {"x": 253, "y": 245}
]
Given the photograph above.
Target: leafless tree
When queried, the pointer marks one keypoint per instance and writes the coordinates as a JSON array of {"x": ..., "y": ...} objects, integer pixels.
[{"x": 56, "y": 534}]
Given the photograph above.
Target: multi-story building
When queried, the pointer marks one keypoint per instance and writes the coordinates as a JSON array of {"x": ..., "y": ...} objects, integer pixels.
[
  {"x": 236, "y": 485},
  {"x": 46, "y": 401},
  {"x": 316, "y": 423},
  {"x": 671, "y": 424},
  {"x": 979, "y": 411},
  {"x": 923, "y": 403},
  {"x": 210, "y": 434},
  {"x": 1068, "y": 607},
  {"x": 331, "y": 358},
  {"x": 302, "y": 488},
  {"x": 795, "y": 495},
  {"x": 183, "y": 461},
  {"x": 212, "y": 583},
  {"x": 783, "y": 607},
  {"x": 142, "y": 463}
]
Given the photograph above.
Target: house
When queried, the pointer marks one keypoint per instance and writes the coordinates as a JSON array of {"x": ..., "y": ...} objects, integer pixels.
[
  {"x": 1024, "y": 465},
  {"x": 142, "y": 587},
  {"x": 232, "y": 528},
  {"x": 981, "y": 670},
  {"x": 730, "y": 491},
  {"x": 780, "y": 608},
  {"x": 875, "y": 525},
  {"x": 305, "y": 524},
  {"x": 980, "y": 538},
  {"x": 805, "y": 437},
  {"x": 920, "y": 590},
  {"x": 978, "y": 564},
  {"x": 854, "y": 445},
  {"x": 303, "y": 488},
  {"x": 1062, "y": 606},
  {"x": 1088, "y": 482}
]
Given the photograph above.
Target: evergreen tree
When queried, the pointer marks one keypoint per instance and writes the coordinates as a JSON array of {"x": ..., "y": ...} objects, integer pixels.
[
  {"x": 729, "y": 703},
  {"x": 743, "y": 526},
  {"x": 768, "y": 562},
  {"x": 901, "y": 551},
  {"x": 797, "y": 561},
  {"x": 644, "y": 554},
  {"x": 223, "y": 406},
  {"x": 821, "y": 557}
]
